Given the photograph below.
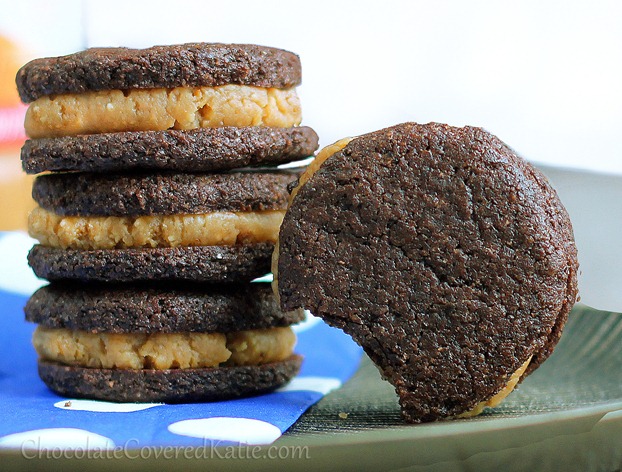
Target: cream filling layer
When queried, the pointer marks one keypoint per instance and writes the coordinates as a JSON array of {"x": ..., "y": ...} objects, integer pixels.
[
  {"x": 161, "y": 109},
  {"x": 163, "y": 350},
  {"x": 110, "y": 232}
]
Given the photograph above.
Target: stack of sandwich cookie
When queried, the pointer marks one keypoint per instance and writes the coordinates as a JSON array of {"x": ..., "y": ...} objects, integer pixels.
[{"x": 157, "y": 217}]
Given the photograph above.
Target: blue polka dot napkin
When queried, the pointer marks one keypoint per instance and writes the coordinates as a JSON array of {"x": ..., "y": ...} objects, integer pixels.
[{"x": 33, "y": 418}]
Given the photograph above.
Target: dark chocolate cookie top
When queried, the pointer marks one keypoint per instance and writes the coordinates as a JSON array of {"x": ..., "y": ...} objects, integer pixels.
[
  {"x": 161, "y": 193},
  {"x": 157, "y": 309},
  {"x": 444, "y": 254},
  {"x": 238, "y": 263},
  {"x": 198, "y": 150},
  {"x": 192, "y": 65}
]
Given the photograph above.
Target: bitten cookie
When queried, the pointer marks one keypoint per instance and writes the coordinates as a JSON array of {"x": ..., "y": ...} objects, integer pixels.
[
  {"x": 438, "y": 249},
  {"x": 146, "y": 343},
  {"x": 165, "y": 226}
]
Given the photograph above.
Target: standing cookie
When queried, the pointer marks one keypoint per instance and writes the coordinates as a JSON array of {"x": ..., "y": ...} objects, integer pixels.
[{"x": 444, "y": 254}]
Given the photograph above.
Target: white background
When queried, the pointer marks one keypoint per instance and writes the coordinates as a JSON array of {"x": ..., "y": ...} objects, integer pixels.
[{"x": 545, "y": 76}]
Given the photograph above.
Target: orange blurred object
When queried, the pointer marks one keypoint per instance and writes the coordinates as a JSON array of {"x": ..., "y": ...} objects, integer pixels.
[
  {"x": 11, "y": 59},
  {"x": 15, "y": 199}
]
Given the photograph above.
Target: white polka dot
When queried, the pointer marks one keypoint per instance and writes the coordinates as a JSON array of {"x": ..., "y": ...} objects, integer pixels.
[
  {"x": 309, "y": 322},
  {"x": 104, "y": 407},
  {"x": 64, "y": 438},
  {"x": 16, "y": 276},
  {"x": 242, "y": 430},
  {"x": 322, "y": 385}
]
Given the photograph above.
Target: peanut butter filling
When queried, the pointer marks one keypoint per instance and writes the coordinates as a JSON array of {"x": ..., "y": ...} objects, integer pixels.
[
  {"x": 161, "y": 109},
  {"x": 109, "y": 232},
  {"x": 500, "y": 396},
  {"x": 163, "y": 350},
  {"x": 321, "y": 157}
]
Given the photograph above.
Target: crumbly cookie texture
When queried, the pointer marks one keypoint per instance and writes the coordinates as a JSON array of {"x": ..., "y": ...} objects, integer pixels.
[
  {"x": 181, "y": 108},
  {"x": 163, "y": 350},
  {"x": 211, "y": 229},
  {"x": 169, "y": 385},
  {"x": 239, "y": 263},
  {"x": 162, "y": 193},
  {"x": 164, "y": 308}
]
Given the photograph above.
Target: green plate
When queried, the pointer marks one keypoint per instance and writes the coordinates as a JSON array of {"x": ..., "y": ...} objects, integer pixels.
[{"x": 562, "y": 417}]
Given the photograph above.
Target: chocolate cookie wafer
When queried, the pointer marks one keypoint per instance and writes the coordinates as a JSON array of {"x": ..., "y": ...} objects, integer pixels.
[
  {"x": 146, "y": 343},
  {"x": 238, "y": 262},
  {"x": 198, "y": 150},
  {"x": 168, "y": 385},
  {"x": 443, "y": 253},
  {"x": 161, "y": 193}
]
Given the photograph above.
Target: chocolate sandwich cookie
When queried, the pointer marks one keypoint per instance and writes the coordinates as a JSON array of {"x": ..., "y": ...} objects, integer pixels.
[
  {"x": 165, "y": 226},
  {"x": 199, "y": 150},
  {"x": 165, "y": 87},
  {"x": 153, "y": 225},
  {"x": 146, "y": 343},
  {"x": 438, "y": 249}
]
